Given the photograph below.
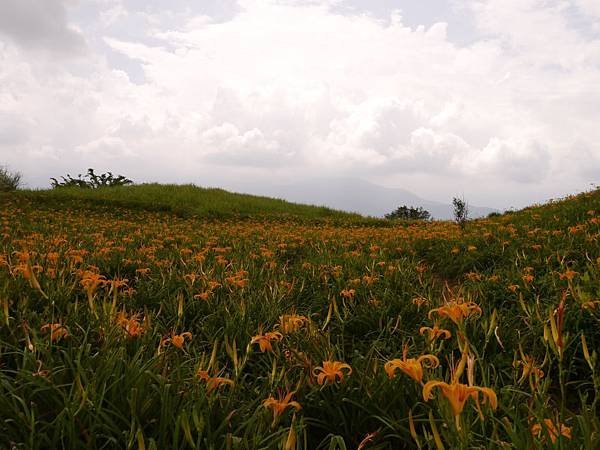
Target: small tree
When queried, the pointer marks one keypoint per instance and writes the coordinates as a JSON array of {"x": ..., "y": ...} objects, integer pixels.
[
  {"x": 461, "y": 211},
  {"x": 408, "y": 213},
  {"x": 9, "y": 181}
]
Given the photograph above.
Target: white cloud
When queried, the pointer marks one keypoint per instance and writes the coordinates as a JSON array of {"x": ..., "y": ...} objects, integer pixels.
[
  {"x": 40, "y": 26},
  {"x": 294, "y": 87}
]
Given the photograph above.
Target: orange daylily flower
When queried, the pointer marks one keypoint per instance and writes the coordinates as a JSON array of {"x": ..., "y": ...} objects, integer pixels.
[
  {"x": 131, "y": 325},
  {"x": 203, "y": 295},
  {"x": 551, "y": 430},
  {"x": 213, "y": 383},
  {"x": 280, "y": 404},
  {"x": 529, "y": 369},
  {"x": 413, "y": 367},
  {"x": 513, "y": 287},
  {"x": 330, "y": 371},
  {"x": 435, "y": 332},
  {"x": 568, "y": 274},
  {"x": 178, "y": 340},
  {"x": 348, "y": 293},
  {"x": 264, "y": 340},
  {"x": 456, "y": 310},
  {"x": 418, "y": 301},
  {"x": 289, "y": 323},
  {"x": 57, "y": 331},
  {"x": 458, "y": 393},
  {"x": 91, "y": 281}
]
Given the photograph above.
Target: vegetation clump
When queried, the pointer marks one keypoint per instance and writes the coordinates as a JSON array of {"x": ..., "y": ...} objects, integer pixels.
[
  {"x": 409, "y": 213},
  {"x": 9, "y": 181},
  {"x": 91, "y": 180}
]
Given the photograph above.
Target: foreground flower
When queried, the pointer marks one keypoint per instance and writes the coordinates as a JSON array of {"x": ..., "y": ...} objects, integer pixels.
[
  {"x": 330, "y": 371},
  {"x": 458, "y": 393},
  {"x": 413, "y": 367},
  {"x": 213, "y": 383},
  {"x": 280, "y": 404},
  {"x": 264, "y": 340},
  {"x": 551, "y": 430},
  {"x": 456, "y": 310}
]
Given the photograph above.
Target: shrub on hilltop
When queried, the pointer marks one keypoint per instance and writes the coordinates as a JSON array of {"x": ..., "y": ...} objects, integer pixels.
[
  {"x": 91, "y": 180},
  {"x": 9, "y": 181},
  {"x": 408, "y": 213}
]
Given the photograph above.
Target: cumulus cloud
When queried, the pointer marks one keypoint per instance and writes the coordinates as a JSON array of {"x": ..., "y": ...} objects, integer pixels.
[
  {"x": 41, "y": 26},
  {"x": 296, "y": 87}
]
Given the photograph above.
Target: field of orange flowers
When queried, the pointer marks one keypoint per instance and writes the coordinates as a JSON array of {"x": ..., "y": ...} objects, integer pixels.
[{"x": 124, "y": 328}]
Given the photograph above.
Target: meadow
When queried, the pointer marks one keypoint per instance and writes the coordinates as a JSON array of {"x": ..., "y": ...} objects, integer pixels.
[{"x": 130, "y": 323}]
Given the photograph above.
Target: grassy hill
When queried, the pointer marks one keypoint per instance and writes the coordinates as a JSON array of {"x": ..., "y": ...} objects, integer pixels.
[
  {"x": 123, "y": 324},
  {"x": 186, "y": 201}
]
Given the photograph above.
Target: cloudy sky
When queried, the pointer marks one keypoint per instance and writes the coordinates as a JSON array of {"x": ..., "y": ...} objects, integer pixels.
[{"x": 496, "y": 99}]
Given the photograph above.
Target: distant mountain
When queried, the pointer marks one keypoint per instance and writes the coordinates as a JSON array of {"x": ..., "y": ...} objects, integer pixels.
[{"x": 356, "y": 195}]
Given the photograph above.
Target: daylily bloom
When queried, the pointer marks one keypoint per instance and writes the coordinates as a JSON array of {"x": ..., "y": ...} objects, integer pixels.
[
  {"x": 568, "y": 274},
  {"x": 435, "y": 332},
  {"x": 57, "y": 331},
  {"x": 456, "y": 310},
  {"x": 330, "y": 371},
  {"x": 131, "y": 325},
  {"x": 213, "y": 383},
  {"x": 458, "y": 393},
  {"x": 289, "y": 323},
  {"x": 203, "y": 295},
  {"x": 280, "y": 404},
  {"x": 418, "y": 301},
  {"x": 264, "y": 340},
  {"x": 551, "y": 430},
  {"x": 413, "y": 367},
  {"x": 348, "y": 293},
  {"x": 529, "y": 368},
  {"x": 177, "y": 339}
]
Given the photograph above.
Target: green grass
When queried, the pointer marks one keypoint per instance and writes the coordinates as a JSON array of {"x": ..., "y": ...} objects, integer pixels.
[{"x": 188, "y": 201}]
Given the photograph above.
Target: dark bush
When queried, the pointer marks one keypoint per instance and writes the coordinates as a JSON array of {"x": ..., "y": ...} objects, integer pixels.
[
  {"x": 91, "y": 180},
  {"x": 408, "y": 213}
]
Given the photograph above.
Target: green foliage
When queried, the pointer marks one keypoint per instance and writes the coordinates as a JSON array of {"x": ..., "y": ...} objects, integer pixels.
[
  {"x": 408, "y": 213},
  {"x": 460, "y": 211},
  {"x": 9, "y": 181},
  {"x": 91, "y": 181}
]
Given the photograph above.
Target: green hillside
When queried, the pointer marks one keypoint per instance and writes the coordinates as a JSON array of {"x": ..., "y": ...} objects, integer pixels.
[
  {"x": 132, "y": 320},
  {"x": 187, "y": 201}
]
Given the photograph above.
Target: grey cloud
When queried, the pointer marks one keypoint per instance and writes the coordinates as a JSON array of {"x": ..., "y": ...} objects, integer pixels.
[
  {"x": 40, "y": 25},
  {"x": 13, "y": 129}
]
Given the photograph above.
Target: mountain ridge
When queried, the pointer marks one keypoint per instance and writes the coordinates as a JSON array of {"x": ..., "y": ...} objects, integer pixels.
[{"x": 358, "y": 195}]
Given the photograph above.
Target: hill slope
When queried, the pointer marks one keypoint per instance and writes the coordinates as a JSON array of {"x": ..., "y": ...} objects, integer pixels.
[
  {"x": 189, "y": 200},
  {"x": 114, "y": 317}
]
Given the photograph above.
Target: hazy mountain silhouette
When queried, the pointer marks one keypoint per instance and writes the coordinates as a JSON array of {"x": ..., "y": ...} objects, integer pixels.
[{"x": 356, "y": 195}]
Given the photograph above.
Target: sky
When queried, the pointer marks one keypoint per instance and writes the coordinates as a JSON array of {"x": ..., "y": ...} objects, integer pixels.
[{"x": 496, "y": 100}]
